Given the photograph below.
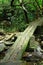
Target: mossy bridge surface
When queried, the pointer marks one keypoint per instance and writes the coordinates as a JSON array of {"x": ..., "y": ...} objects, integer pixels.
[{"x": 16, "y": 50}]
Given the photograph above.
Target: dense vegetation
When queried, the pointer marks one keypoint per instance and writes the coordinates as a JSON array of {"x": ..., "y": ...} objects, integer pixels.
[{"x": 15, "y": 15}]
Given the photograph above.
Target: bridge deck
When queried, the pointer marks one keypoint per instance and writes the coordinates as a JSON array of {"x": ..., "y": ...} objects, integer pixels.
[{"x": 19, "y": 46}]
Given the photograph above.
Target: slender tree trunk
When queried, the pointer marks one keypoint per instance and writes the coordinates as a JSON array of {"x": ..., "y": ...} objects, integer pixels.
[
  {"x": 38, "y": 9},
  {"x": 25, "y": 10},
  {"x": 38, "y": 4},
  {"x": 42, "y": 7},
  {"x": 26, "y": 17},
  {"x": 12, "y": 2}
]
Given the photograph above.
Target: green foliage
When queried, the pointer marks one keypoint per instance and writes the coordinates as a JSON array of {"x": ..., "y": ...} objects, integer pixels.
[
  {"x": 40, "y": 3},
  {"x": 5, "y": 2},
  {"x": 16, "y": 13}
]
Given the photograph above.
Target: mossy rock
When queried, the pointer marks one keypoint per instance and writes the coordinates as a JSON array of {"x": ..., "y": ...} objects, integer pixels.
[{"x": 2, "y": 47}]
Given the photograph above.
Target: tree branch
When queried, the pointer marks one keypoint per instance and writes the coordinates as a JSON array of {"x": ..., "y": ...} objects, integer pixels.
[{"x": 25, "y": 10}]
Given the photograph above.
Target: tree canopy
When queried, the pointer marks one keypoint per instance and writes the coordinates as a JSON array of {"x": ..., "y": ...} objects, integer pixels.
[{"x": 19, "y": 12}]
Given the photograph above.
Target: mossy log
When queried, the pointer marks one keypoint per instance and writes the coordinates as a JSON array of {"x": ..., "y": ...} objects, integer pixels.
[{"x": 17, "y": 49}]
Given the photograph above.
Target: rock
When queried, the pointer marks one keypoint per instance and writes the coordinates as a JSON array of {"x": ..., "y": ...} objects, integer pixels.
[
  {"x": 1, "y": 37},
  {"x": 42, "y": 42},
  {"x": 8, "y": 43},
  {"x": 37, "y": 52},
  {"x": 2, "y": 47}
]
